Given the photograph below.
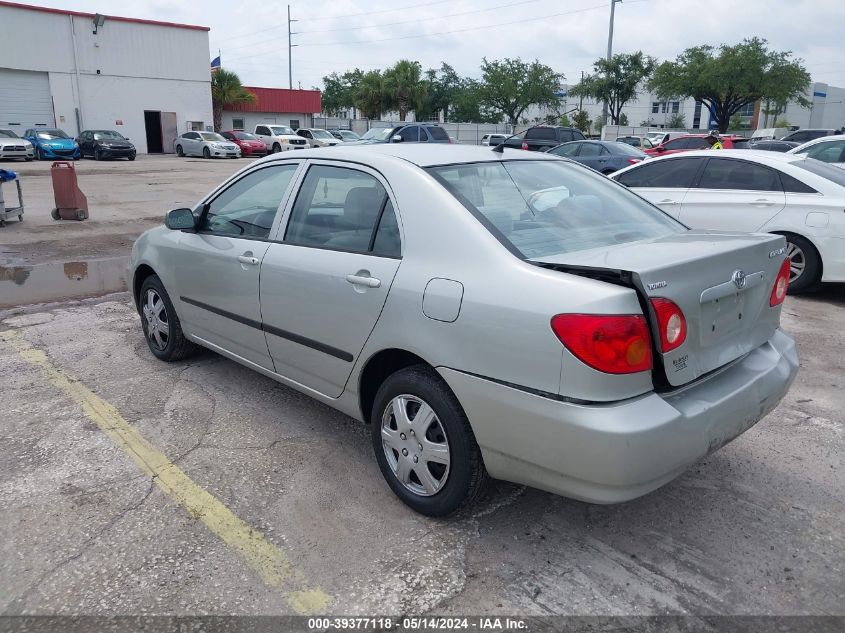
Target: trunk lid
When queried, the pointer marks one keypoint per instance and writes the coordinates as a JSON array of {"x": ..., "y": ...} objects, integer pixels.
[{"x": 721, "y": 281}]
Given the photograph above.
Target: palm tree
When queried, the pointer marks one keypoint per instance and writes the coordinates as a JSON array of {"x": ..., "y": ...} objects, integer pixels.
[
  {"x": 403, "y": 84},
  {"x": 226, "y": 90}
]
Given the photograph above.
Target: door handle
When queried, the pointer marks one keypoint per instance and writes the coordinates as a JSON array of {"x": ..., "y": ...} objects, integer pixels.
[
  {"x": 358, "y": 280},
  {"x": 762, "y": 202},
  {"x": 668, "y": 202},
  {"x": 247, "y": 259}
]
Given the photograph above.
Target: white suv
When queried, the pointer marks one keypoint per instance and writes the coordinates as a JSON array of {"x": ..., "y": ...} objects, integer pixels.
[{"x": 279, "y": 138}]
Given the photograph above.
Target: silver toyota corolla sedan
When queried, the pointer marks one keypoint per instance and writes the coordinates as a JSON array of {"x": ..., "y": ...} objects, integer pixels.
[{"x": 513, "y": 315}]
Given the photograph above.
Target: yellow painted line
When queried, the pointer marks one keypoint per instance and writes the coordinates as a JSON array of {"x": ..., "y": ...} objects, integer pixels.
[{"x": 268, "y": 561}]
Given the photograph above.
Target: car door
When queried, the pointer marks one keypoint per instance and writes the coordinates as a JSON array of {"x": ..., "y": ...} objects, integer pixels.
[
  {"x": 593, "y": 155},
  {"x": 832, "y": 152},
  {"x": 192, "y": 144},
  {"x": 664, "y": 183},
  {"x": 733, "y": 195},
  {"x": 325, "y": 278},
  {"x": 218, "y": 279}
]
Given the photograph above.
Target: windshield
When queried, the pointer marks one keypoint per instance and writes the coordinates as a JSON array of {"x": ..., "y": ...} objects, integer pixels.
[
  {"x": 211, "y": 136},
  {"x": 245, "y": 136},
  {"x": 51, "y": 134},
  {"x": 377, "y": 133},
  {"x": 542, "y": 208},
  {"x": 323, "y": 134},
  {"x": 282, "y": 130},
  {"x": 349, "y": 135},
  {"x": 108, "y": 135},
  {"x": 817, "y": 167},
  {"x": 8, "y": 134}
]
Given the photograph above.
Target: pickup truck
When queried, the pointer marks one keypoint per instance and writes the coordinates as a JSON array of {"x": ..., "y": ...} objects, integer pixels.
[
  {"x": 543, "y": 137},
  {"x": 279, "y": 138}
]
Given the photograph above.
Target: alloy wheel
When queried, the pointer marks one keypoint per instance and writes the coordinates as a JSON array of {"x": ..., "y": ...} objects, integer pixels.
[
  {"x": 797, "y": 261},
  {"x": 156, "y": 322},
  {"x": 415, "y": 445}
]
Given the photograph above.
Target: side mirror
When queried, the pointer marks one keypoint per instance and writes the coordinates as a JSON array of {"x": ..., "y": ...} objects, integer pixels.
[
  {"x": 396, "y": 139},
  {"x": 180, "y": 220}
]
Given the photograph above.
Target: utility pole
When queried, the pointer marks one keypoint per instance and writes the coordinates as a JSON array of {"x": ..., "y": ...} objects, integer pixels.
[
  {"x": 581, "y": 98},
  {"x": 609, "y": 49},
  {"x": 290, "y": 56}
]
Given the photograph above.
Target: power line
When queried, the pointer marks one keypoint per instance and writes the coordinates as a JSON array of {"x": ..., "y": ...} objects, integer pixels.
[
  {"x": 335, "y": 17},
  {"x": 422, "y": 35},
  {"x": 373, "y": 26}
]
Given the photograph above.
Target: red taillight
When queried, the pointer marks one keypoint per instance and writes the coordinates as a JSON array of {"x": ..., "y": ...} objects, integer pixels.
[
  {"x": 615, "y": 344},
  {"x": 781, "y": 285},
  {"x": 524, "y": 145},
  {"x": 671, "y": 323},
  {"x": 634, "y": 161}
]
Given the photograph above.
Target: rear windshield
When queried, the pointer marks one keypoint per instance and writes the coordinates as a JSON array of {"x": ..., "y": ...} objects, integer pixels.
[
  {"x": 836, "y": 174},
  {"x": 542, "y": 208},
  {"x": 543, "y": 133},
  {"x": 438, "y": 133}
]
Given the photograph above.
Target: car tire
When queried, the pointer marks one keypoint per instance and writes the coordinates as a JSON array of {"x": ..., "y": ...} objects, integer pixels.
[
  {"x": 206, "y": 153},
  {"x": 167, "y": 343},
  {"x": 805, "y": 258},
  {"x": 39, "y": 154},
  {"x": 179, "y": 152},
  {"x": 448, "y": 486},
  {"x": 29, "y": 159},
  {"x": 276, "y": 148},
  {"x": 98, "y": 155},
  {"x": 54, "y": 213},
  {"x": 131, "y": 157}
]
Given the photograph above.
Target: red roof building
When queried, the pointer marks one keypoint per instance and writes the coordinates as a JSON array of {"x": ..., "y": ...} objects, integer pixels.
[{"x": 294, "y": 108}]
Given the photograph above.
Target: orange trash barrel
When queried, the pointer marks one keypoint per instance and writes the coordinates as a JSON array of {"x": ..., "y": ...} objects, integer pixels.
[{"x": 71, "y": 203}]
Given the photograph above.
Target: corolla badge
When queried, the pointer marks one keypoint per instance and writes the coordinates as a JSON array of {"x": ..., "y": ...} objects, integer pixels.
[{"x": 739, "y": 279}]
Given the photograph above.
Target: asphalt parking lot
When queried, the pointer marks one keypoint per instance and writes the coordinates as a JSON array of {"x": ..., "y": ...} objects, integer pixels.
[{"x": 130, "y": 486}]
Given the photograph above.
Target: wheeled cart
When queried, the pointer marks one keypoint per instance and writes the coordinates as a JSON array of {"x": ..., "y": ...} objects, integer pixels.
[{"x": 8, "y": 212}]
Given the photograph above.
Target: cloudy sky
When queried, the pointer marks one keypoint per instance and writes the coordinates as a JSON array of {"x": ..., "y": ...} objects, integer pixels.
[{"x": 336, "y": 35}]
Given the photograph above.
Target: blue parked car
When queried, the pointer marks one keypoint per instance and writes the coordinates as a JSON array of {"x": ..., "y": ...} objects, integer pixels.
[
  {"x": 604, "y": 156},
  {"x": 52, "y": 143}
]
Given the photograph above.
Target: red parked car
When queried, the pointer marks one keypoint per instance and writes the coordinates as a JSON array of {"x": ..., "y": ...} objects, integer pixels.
[
  {"x": 250, "y": 144},
  {"x": 697, "y": 141}
]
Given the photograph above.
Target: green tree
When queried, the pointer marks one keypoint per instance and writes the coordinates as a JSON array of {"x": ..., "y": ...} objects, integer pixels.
[
  {"x": 582, "y": 121},
  {"x": 677, "y": 121},
  {"x": 736, "y": 122},
  {"x": 226, "y": 90},
  {"x": 443, "y": 86},
  {"x": 623, "y": 119},
  {"x": 728, "y": 78},
  {"x": 615, "y": 81},
  {"x": 339, "y": 91},
  {"x": 564, "y": 121},
  {"x": 782, "y": 122},
  {"x": 509, "y": 86},
  {"x": 404, "y": 86},
  {"x": 467, "y": 107},
  {"x": 369, "y": 95}
]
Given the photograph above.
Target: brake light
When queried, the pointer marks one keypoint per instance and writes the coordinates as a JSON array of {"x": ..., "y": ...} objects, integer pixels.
[
  {"x": 524, "y": 145},
  {"x": 671, "y": 323},
  {"x": 781, "y": 284},
  {"x": 614, "y": 344},
  {"x": 634, "y": 161}
]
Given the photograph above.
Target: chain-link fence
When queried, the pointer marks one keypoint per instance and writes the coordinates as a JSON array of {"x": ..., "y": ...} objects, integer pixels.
[{"x": 464, "y": 133}]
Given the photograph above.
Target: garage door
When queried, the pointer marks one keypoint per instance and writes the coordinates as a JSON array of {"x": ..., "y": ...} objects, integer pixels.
[{"x": 25, "y": 100}]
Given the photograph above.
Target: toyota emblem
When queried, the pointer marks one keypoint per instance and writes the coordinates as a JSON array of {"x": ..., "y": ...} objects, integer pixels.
[{"x": 739, "y": 279}]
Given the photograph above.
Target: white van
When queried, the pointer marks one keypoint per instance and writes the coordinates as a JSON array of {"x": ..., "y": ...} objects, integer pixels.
[{"x": 769, "y": 134}]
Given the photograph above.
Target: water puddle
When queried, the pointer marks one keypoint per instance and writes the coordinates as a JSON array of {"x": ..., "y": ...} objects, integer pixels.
[{"x": 22, "y": 285}]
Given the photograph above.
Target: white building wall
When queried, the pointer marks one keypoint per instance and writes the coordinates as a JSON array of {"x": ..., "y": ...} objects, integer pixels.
[
  {"x": 251, "y": 119},
  {"x": 827, "y": 110},
  {"x": 126, "y": 68}
]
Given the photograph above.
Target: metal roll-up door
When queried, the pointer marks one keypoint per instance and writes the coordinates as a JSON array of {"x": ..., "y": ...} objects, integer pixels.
[{"x": 25, "y": 100}]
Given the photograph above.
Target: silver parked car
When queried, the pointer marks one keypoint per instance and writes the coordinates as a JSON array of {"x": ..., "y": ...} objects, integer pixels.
[
  {"x": 507, "y": 314},
  {"x": 317, "y": 137},
  {"x": 205, "y": 144}
]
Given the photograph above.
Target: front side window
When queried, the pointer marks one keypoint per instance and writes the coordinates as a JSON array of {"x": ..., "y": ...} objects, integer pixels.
[
  {"x": 723, "y": 173},
  {"x": 410, "y": 134},
  {"x": 340, "y": 208},
  {"x": 544, "y": 208},
  {"x": 247, "y": 208},
  {"x": 282, "y": 130},
  {"x": 676, "y": 173},
  {"x": 829, "y": 152},
  {"x": 262, "y": 130}
]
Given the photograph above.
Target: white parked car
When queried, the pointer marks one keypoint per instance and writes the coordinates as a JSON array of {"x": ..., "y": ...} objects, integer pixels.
[
  {"x": 279, "y": 138},
  {"x": 760, "y": 192},
  {"x": 205, "y": 144},
  {"x": 13, "y": 146},
  {"x": 493, "y": 139},
  {"x": 317, "y": 137},
  {"x": 828, "y": 149}
]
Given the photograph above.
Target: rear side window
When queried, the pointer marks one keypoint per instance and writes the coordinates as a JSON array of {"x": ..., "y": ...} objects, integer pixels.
[
  {"x": 675, "y": 173},
  {"x": 793, "y": 185},
  {"x": 567, "y": 149},
  {"x": 438, "y": 133},
  {"x": 544, "y": 134},
  {"x": 543, "y": 208},
  {"x": 590, "y": 149},
  {"x": 577, "y": 136},
  {"x": 723, "y": 173},
  {"x": 341, "y": 208}
]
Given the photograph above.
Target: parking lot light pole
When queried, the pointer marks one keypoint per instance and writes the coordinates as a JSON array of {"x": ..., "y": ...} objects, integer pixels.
[
  {"x": 609, "y": 50},
  {"x": 290, "y": 56}
]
